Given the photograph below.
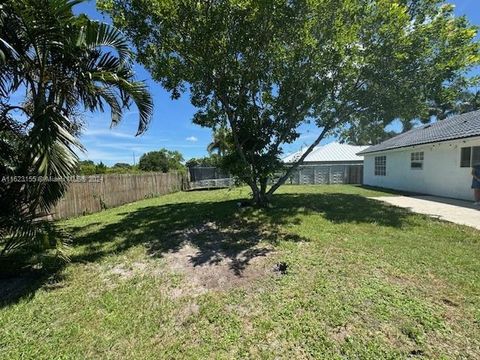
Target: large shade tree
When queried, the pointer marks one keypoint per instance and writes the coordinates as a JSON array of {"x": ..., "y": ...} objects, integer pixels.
[
  {"x": 263, "y": 68},
  {"x": 61, "y": 64}
]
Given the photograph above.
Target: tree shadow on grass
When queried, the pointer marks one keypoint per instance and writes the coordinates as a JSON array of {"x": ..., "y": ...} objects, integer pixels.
[
  {"x": 219, "y": 230},
  {"x": 342, "y": 208}
]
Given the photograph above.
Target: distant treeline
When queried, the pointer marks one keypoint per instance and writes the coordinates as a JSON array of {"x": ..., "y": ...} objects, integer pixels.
[
  {"x": 162, "y": 160},
  {"x": 88, "y": 167}
]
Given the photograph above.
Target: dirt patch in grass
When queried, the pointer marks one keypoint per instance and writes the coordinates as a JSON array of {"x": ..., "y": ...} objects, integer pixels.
[
  {"x": 185, "y": 313},
  {"x": 128, "y": 271},
  {"x": 221, "y": 273},
  {"x": 208, "y": 258},
  {"x": 213, "y": 257},
  {"x": 341, "y": 333}
]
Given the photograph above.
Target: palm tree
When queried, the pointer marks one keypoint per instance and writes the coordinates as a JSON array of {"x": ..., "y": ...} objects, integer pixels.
[
  {"x": 221, "y": 141},
  {"x": 64, "y": 64}
]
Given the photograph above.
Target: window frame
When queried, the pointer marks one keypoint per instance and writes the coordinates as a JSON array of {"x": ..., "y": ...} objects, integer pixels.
[
  {"x": 417, "y": 157},
  {"x": 475, "y": 157},
  {"x": 472, "y": 158},
  {"x": 380, "y": 165},
  {"x": 463, "y": 156}
]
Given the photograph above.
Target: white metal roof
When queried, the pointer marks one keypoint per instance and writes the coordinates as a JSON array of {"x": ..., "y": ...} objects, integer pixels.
[{"x": 333, "y": 151}]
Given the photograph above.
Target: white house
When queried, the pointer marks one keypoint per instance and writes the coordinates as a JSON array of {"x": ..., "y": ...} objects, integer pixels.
[
  {"x": 330, "y": 154},
  {"x": 434, "y": 159},
  {"x": 332, "y": 163}
]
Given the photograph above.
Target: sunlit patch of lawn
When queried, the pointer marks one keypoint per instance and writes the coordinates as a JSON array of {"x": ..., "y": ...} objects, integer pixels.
[{"x": 191, "y": 275}]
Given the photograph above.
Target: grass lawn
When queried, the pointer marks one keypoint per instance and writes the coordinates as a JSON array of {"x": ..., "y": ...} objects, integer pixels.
[{"x": 189, "y": 275}]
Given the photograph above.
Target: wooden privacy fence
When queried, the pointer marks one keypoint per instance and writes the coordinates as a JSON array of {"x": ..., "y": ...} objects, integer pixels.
[
  {"x": 327, "y": 174},
  {"x": 100, "y": 192}
]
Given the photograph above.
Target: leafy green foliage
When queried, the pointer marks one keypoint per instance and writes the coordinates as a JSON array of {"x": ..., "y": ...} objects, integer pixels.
[
  {"x": 88, "y": 167},
  {"x": 101, "y": 168},
  {"x": 214, "y": 160},
  {"x": 63, "y": 63},
  {"x": 455, "y": 99},
  {"x": 163, "y": 160},
  {"x": 122, "y": 166},
  {"x": 222, "y": 142},
  {"x": 365, "y": 134},
  {"x": 336, "y": 63}
]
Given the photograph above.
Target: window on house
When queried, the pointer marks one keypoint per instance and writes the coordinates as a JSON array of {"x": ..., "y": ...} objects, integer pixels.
[
  {"x": 380, "y": 165},
  {"x": 469, "y": 156},
  {"x": 465, "y": 156},
  {"x": 416, "y": 160},
  {"x": 475, "y": 155}
]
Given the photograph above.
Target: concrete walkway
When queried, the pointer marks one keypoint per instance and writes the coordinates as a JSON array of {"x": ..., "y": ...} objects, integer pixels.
[{"x": 456, "y": 211}]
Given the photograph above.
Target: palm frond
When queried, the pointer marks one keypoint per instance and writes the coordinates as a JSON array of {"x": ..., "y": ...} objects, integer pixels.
[
  {"x": 53, "y": 156},
  {"x": 111, "y": 99},
  {"x": 96, "y": 34},
  {"x": 136, "y": 90},
  {"x": 143, "y": 100}
]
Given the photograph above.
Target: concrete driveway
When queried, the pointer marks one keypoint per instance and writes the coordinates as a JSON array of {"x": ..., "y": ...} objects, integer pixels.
[{"x": 456, "y": 211}]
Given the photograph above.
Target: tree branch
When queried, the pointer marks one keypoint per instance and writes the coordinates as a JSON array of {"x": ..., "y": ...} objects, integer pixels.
[
  {"x": 230, "y": 116},
  {"x": 284, "y": 178}
]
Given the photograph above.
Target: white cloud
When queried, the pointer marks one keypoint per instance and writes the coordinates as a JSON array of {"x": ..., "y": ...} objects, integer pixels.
[
  {"x": 192, "y": 139},
  {"x": 107, "y": 132},
  {"x": 127, "y": 145},
  {"x": 106, "y": 157},
  {"x": 188, "y": 146}
]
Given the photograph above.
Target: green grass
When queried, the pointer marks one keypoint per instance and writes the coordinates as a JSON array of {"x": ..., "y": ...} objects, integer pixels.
[{"x": 365, "y": 280}]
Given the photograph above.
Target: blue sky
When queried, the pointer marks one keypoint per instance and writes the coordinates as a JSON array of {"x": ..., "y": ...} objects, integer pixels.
[{"x": 172, "y": 126}]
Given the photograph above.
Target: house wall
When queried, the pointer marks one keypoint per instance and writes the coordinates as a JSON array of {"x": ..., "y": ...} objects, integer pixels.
[
  {"x": 326, "y": 174},
  {"x": 441, "y": 174}
]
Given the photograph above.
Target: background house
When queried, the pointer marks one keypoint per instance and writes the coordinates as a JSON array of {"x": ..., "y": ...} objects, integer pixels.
[
  {"x": 329, "y": 154},
  {"x": 434, "y": 159},
  {"x": 333, "y": 163}
]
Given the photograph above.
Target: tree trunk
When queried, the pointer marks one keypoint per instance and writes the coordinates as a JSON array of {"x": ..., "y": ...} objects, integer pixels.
[
  {"x": 292, "y": 168},
  {"x": 260, "y": 197}
]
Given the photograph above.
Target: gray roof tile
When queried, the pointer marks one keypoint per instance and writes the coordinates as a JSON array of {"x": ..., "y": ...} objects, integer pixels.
[{"x": 455, "y": 127}]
